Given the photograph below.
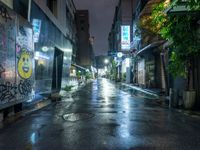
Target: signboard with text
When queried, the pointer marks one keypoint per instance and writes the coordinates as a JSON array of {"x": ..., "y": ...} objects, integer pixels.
[
  {"x": 125, "y": 37},
  {"x": 36, "y": 23}
]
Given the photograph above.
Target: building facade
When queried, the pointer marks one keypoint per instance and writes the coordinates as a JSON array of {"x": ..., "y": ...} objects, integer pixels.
[
  {"x": 149, "y": 70},
  {"x": 141, "y": 50},
  {"x": 17, "y": 57},
  {"x": 85, "y": 54},
  {"x": 120, "y": 38},
  {"x": 37, "y": 60}
]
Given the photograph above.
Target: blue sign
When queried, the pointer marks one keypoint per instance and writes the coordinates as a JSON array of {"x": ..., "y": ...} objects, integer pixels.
[
  {"x": 125, "y": 37},
  {"x": 36, "y": 28}
]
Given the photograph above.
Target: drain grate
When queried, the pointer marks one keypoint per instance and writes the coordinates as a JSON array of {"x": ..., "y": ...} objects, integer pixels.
[{"x": 77, "y": 116}]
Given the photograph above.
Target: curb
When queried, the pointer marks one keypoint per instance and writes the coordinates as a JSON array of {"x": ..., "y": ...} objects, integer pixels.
[
  {"x": 192, "y": 114},
  {"x": 37, "y": 106},
  {"x": 141, "y": 90},
  {"x": 189, "y": 113}
]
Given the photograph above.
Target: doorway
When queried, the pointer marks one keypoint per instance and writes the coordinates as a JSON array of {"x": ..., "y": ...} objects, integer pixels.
[{"x": 57, "y": 70}]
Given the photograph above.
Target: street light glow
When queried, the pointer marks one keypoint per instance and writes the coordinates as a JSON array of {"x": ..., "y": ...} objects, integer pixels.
[
  {"x": 106, "y": 61},
  {"x": 119, "y": 54}
]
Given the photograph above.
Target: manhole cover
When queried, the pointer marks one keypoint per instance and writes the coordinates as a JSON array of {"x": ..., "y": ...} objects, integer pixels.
[{"x": 77, "y": 116}]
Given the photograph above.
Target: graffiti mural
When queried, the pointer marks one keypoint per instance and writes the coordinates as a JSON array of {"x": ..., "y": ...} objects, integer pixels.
[
  {"x": 8, "y": 92},
  {"x": 24, "y": 50},
  {"x": 2, "y": 37},
  {"x": 25, "y": 62},
  {"x": 16, "y": 59},
  {"x": 25, "y": 87},
  {"x": 24, "y": 65},
  {"x": 8, "y": 87},
  {"x": 2, "y": 70}
]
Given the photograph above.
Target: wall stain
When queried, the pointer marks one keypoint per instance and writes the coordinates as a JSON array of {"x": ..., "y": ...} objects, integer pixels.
[{"x": 4, "y": 13}]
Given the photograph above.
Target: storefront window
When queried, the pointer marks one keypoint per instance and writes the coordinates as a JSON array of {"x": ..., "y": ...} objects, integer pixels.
[{"x": 47, "y": 38}]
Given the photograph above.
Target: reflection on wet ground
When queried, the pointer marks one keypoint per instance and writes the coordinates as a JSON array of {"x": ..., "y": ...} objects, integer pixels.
[
  {"x": 137, "y": 93},
  {"x": 103, "y": 115},
  {"x": 77, "y": 116}
]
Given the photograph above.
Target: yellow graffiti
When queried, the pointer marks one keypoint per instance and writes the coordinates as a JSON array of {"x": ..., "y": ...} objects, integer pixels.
[{"x": 24, "y": 66}]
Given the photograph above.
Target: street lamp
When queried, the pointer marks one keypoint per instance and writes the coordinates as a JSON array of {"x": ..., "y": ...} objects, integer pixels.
[
  {"x": 106, "y": 61},
  {"x": 119, "y": 54}
]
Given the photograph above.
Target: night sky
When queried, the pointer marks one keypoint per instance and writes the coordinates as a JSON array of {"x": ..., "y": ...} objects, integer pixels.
[{"x": 101, "y": 18}]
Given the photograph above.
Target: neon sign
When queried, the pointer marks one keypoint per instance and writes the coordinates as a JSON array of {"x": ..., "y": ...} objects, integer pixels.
[{"x": 125, "y": 37}]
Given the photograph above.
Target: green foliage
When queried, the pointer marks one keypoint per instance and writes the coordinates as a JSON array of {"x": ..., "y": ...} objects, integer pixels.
[
  {"x": 123, "y": 76},
  {"x": 177, "y": 66},
  {"x": 113, "y": 71},
  {"x": 158, "y": 18},
  {"x": 88, "y": 75},
  {"x": 191, "y": 4},
  {"x": 181, "y": 30},
  {"x": 78, "y": 74},
  {"x": 68, "y": 87}
]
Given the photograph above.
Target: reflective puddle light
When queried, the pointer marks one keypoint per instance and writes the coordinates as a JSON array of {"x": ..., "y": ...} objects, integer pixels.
[
  {"x": 127, "y": 62},
  {"x": 33, "y": 138}
]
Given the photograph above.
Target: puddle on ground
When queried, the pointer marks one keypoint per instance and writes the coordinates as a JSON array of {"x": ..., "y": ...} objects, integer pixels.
[{"x": 77, "y": 116}]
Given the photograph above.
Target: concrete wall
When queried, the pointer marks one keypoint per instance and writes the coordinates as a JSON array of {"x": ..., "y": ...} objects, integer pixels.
[
  {"x": 126, "y": 11},
  {"x": 16, "y": 59},
  {"x": 84, "y": 53},
  {"x": 60, "y": 20}
]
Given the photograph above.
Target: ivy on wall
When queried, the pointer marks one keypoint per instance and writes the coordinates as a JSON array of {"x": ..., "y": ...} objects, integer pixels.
[{"x": 181, "y": 31}]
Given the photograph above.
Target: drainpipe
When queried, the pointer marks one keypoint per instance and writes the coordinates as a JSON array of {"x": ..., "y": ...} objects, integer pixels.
[
  {"x": 165, "y": 73},
  {"x": 29, "y": 10}
]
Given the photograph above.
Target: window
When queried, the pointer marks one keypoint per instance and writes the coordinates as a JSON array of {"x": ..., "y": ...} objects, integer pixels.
[
  {"x": 52, "y": 5},
  {"x": 82, "y": 21},
  {"x": 21, "y": 7}
]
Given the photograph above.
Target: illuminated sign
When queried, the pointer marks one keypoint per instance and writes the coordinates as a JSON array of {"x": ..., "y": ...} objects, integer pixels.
[
  {"x": 41, "y": 55},
  {"x": 119, "y": 54},
  {"x": 125, "y": 37},
  {"x": 36, "y": 28}
]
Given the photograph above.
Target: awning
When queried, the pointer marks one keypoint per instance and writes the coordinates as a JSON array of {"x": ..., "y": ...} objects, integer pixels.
[
  {"x": 181, "y": 8},
  {"x": 80, "y": 67},
  {"x": 150, "y": 46}
]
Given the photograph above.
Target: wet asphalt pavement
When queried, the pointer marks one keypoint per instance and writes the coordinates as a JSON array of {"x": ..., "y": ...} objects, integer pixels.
[{"x": 103, "y": 115}]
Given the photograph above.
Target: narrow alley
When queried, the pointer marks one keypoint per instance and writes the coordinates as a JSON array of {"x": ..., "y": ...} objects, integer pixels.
[{"x": 103, "y": 116}]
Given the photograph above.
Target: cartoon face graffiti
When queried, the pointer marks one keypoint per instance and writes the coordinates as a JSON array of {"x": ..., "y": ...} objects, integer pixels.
[{"x": 24, "y": 66}]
